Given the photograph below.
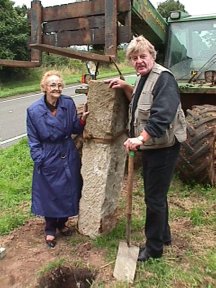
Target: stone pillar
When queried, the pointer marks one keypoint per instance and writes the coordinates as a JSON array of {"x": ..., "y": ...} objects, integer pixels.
[{"x": 103, "y": 158}]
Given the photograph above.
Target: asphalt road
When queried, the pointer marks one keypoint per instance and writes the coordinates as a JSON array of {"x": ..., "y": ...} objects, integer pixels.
[{"x": 13, "y": 114}]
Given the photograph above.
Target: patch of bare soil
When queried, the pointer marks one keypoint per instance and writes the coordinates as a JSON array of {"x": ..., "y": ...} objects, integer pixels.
[
  {"x": 67, "y": 277},
  {"x": 27, "y": 254}
]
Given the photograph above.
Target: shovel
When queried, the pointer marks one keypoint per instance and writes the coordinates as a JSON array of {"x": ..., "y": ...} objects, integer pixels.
[{"x": 125, "y": 265}]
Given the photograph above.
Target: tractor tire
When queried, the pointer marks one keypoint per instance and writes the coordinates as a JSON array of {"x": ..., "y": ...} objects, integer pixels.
[{"x": 197, "y": 159}]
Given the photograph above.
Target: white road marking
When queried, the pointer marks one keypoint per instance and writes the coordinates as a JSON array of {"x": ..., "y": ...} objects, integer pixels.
[
  {"x": 28, "y": 96},
  {"x": 12, "y": 139},
  {"x": 37, "y": 94}
]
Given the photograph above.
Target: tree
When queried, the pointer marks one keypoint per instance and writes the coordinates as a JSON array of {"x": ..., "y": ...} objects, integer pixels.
[
  {"x": 164, "y": 8},
  {"x": 14, "y": 31},
  {"x": 14, "y": 34}
]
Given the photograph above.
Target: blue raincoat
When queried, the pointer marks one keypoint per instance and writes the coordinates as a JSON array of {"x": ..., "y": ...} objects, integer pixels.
[{"x": 57, "y": 182}]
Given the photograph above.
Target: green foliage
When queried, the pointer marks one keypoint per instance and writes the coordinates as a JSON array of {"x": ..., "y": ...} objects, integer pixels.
[
  {"x": 57, "y": 263},
  {"x": 30, "y": 82},
  {"x": 164, "y": 8},
  {"x": 118, "y": 233},
  {"x": 157, "y": 272},
  {"x": 190, "y": 262},
  {"x": 15, "y": 186},
  {"x": 53, "y": 60},
  {"x": 210, "y": 263},
  {"x": 11, "y": 220},
  {"x": 14, "y": 31},
  {"x": 121, "y": 55}
]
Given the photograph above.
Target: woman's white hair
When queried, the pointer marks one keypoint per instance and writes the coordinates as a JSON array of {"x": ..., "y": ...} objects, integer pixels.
[{"x": 46, "y": 75}]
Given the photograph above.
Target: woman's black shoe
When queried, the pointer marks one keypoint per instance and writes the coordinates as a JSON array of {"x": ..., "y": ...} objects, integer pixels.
[
  {"x": 66, "y": 231},
  {"x": 51, "y": 243}
]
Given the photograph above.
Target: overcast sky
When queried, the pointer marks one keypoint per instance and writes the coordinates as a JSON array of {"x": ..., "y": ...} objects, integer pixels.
[{"x": 194, "y": 7}]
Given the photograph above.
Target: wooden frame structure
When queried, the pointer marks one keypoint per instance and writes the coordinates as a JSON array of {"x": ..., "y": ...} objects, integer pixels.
[{"x": 94, "y": 22}]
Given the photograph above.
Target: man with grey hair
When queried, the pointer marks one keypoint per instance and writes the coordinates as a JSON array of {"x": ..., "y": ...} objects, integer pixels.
[{"x": 156, "y": 128}]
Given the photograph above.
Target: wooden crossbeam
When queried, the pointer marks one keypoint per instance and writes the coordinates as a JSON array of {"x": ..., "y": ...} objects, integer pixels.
[{"x": 69, "y": 52}]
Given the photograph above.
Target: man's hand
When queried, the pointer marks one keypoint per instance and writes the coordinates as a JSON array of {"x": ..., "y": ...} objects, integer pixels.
[
  {"x": 132, "y": 144},
  {"x": 116, "y": 83}
]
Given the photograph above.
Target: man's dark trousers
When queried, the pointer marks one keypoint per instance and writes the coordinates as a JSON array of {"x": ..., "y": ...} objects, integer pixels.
[{"x": 158, "y": 168}]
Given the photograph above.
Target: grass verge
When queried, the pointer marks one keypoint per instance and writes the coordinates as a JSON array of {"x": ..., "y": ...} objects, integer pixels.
[
  {"x": 189, "y": 262},
  {"x": 15, "y": 186},
  {"x": 32, "y": 82}
]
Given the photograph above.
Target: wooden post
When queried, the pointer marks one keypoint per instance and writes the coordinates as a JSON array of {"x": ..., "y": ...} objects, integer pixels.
[
  {"x": 36, "y": 29},
  {"x": 111, "y": 26}
]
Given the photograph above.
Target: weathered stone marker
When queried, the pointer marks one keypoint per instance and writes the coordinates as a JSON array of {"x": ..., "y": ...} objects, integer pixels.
[{"x": 103, "y": 159}]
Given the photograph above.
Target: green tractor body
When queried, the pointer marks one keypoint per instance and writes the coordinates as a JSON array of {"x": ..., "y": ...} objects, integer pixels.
[
  {"x": 186, "y": 46},
  {"x": 191, "y": 56}
]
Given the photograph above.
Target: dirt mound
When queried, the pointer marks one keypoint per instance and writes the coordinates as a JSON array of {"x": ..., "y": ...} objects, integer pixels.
[
  {"x": 27, "y": 255},
  {"x": 67, "y": 277}
]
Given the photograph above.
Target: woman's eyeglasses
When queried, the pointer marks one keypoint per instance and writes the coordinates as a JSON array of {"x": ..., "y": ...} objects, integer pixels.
[{"x": 55, "y": 85}]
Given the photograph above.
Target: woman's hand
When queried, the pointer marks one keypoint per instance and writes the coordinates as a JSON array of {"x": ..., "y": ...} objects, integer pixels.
[{"x": 85, "y": 112}]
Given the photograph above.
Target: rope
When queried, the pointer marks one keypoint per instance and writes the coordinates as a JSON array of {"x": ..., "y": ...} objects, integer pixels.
[{"x": 105, "y": 140}]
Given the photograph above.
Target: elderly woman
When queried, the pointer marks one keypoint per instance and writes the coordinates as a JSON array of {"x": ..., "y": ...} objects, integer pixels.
[{"x": 57, "y": 181}]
